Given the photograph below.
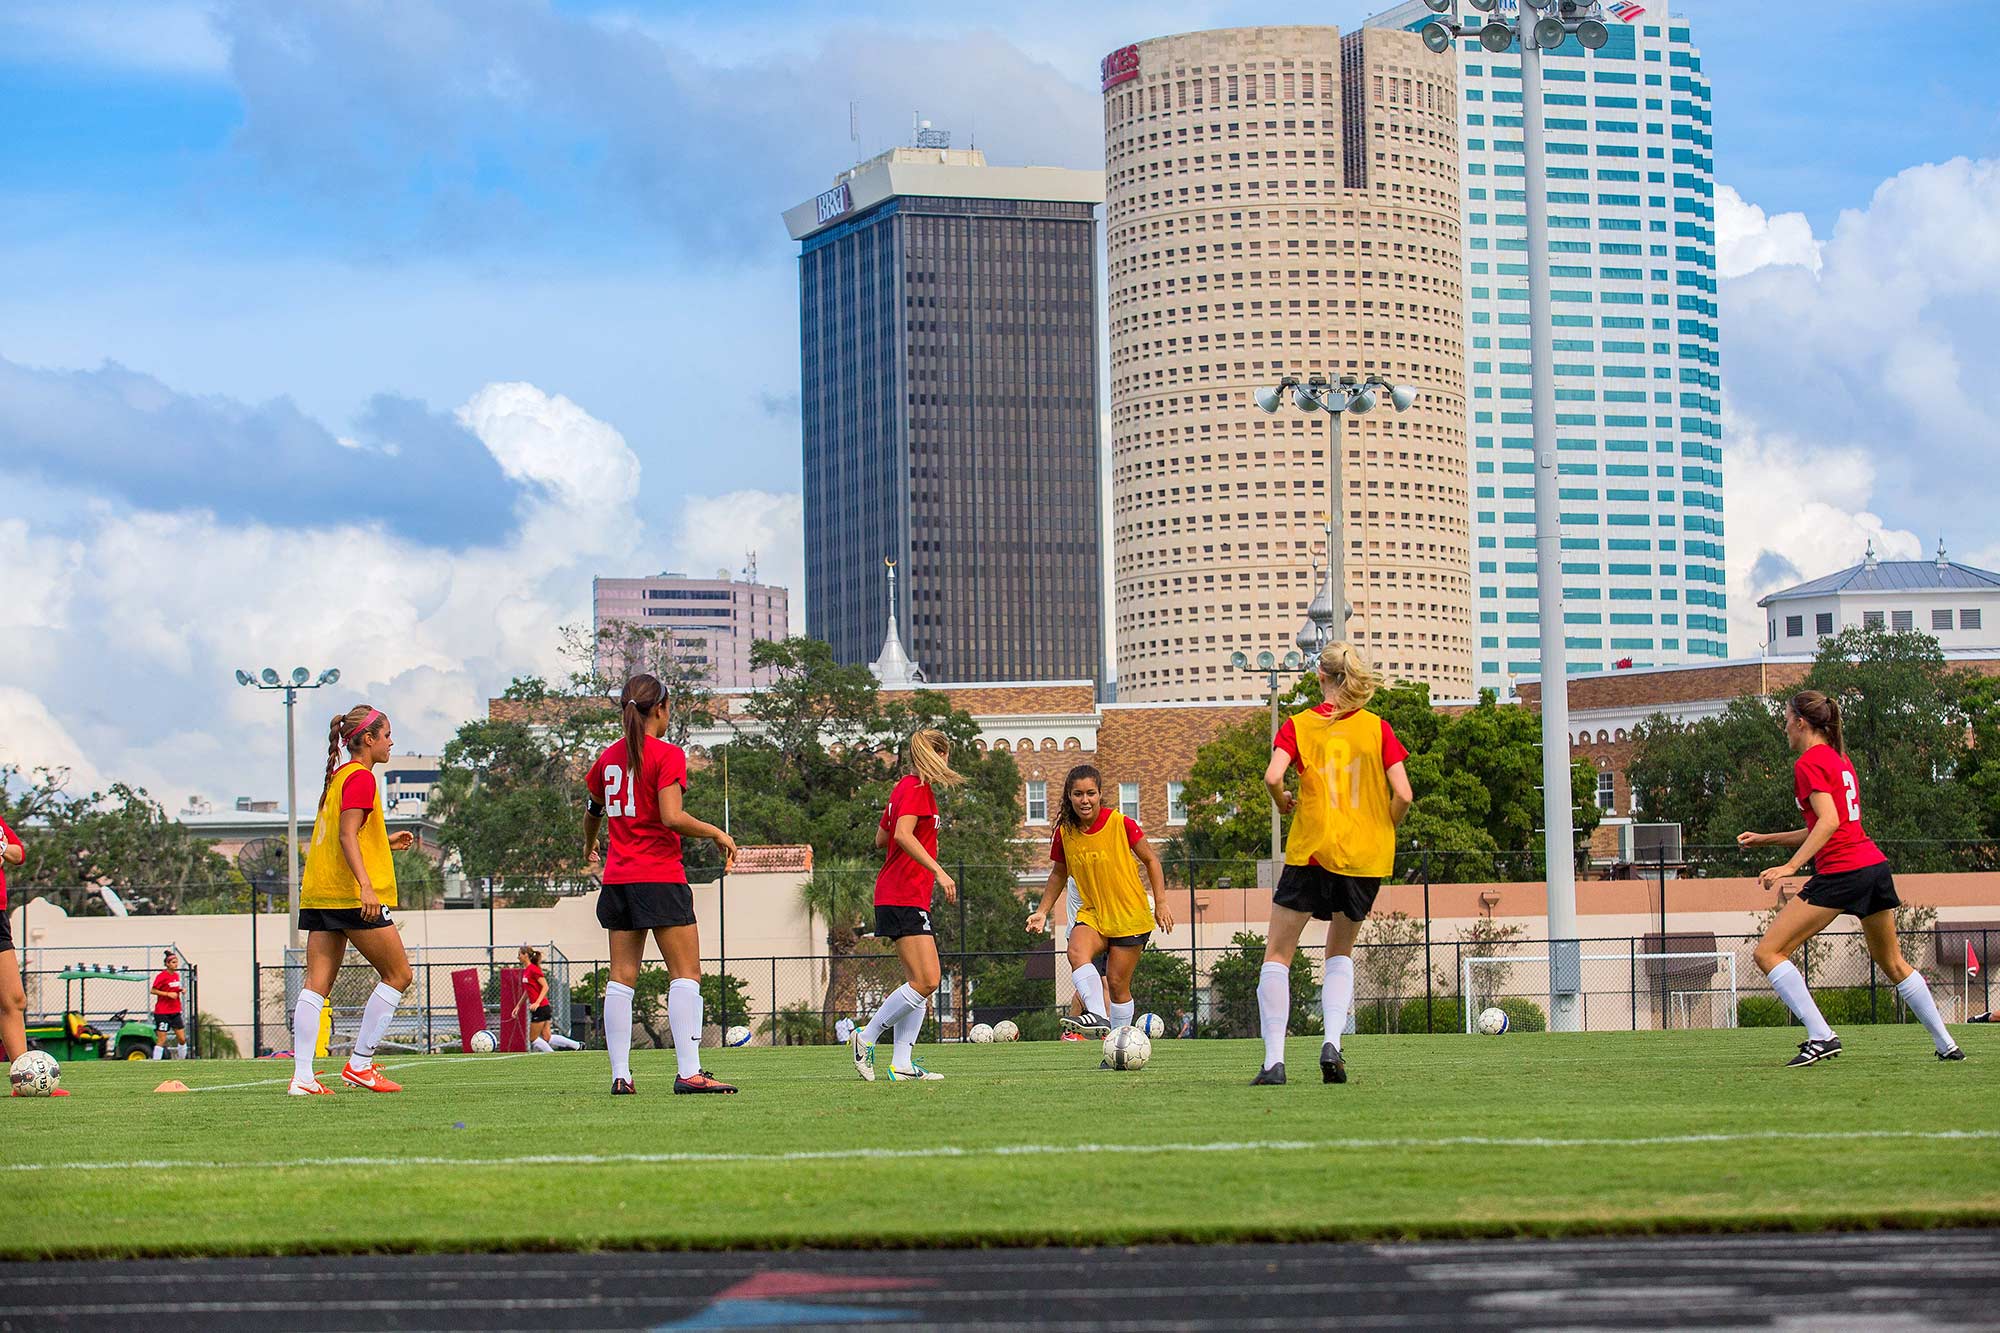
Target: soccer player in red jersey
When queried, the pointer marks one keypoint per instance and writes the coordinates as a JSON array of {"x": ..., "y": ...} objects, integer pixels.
[
  {"x": 166, "y": 990},
  {"x": 13, "y": 999},
  {"x": 637, "y": 785},
  {"x": 1850, "y": 875},
  {"x": 908, "y": 832}
]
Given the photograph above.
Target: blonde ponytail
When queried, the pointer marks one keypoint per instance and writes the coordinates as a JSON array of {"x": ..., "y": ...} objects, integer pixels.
[
  {"x": 929, "y": 756},
  {"x": 349, "y": 728},
  {"x": 1346, "y": 679}
]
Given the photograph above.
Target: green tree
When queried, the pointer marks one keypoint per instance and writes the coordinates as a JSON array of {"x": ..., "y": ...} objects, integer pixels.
[
  {"x": 419, "y": 882},
  {"x": 122, "y": 839},
  {"x": 1233, "y": 979}
]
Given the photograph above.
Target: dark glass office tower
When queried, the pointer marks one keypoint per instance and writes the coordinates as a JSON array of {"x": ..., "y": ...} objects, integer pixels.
[{"x": 948, "y": 385}]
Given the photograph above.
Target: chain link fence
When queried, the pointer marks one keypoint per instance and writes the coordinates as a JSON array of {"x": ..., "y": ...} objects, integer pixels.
[{"x": 427, "y": 1019}]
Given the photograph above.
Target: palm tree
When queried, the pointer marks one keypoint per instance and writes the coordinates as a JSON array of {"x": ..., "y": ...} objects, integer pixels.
[{"x": 841, "y": 892}]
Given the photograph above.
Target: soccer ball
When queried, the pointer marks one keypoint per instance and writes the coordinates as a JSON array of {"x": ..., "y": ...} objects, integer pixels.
[
  {"x": 1150, "y": 1024},
  {"x": 1006, "y": 1030},
  {"x": 1493, "y": 1022},
  {"x": 36, "y": 1074},
  {"x": 737, "y": 1036},
  {"x": 1128, "y": 1048},
  {"x": 981, "y": 1033},
  {"x": 844, "y": 1029},
  {"x": 483, "y": 1042}
]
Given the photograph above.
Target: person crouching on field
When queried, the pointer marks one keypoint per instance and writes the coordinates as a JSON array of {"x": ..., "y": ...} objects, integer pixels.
[
  {"x": 1353, "y": 792},
  {"x": 345, "y": 893},
  {"x": 908, "y": 833},
  {"x": 1104, "y": 851}
]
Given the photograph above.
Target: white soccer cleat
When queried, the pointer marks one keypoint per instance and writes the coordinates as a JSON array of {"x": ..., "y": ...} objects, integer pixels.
[
  {"x": 914, "y": 1074},
  {"x": 308, "y": 1088},
  {"x": 864, "y": 1056}
]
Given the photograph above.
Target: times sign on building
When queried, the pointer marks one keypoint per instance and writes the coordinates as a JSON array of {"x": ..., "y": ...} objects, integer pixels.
[{"x": 1121, "y": 66}]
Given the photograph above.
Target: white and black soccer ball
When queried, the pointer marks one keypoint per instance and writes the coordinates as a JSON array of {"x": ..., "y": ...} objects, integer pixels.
[
  {"x": 1493, "y": 1021},
  {"x": 737, "y": 1036},
  {"x": 1006, "y": 1030},
  {"x": 1151, "y": 1024},
  {"x": 981, "y": 1034},
  {"x": 844, "y": 1029},
  {"x": 483, "y": 1042},
  {"x": 35, "y": 1074},
  {"x": 1127, "y": 1048}
]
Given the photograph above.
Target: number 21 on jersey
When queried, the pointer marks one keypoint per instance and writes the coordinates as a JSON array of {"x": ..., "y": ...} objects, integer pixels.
[{"x": 614, "y": 783}]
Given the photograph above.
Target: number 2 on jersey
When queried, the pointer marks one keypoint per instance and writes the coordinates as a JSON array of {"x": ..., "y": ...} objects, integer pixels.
[{"x": 1853, "y": 798}]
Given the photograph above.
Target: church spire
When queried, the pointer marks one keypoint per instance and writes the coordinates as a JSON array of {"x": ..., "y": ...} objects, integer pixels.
[{"x": 894, "y": 666}]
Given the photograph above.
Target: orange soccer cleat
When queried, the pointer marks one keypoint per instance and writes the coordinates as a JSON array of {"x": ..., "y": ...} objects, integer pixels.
[{"x": 371, "y": 1078}]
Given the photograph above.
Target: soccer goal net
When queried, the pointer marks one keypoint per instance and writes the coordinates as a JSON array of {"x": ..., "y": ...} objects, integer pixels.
[{"x": 1694, "y": 989}]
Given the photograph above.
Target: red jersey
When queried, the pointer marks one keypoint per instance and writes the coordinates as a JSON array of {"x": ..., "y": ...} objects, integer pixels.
[
  {"x": 643, "y": 850},
  {"x": 901, "y": 881},
  {"x": 7, "y": 839},
  {"x": 167, "y": 981},
  {"x": 535, "y": 985},
  {"x": 358, "y": 792},
  {"x": 1823, "y": 768},
  {"x": 1287, "y": 739},
  {"x": 1133, "y": 833}
]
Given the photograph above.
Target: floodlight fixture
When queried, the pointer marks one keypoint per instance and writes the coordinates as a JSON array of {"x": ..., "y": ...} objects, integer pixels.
[
  {"x": 1401, "y": 396},
  {"x": 1267, "y": 660},
  {"x": 1496, "y": 37},
  {"x": 1439, "y": 6},
  {"x": 1549, "y": 33},
  {"x": 1304, "y": 399},
  {"x": 329, "y": 676},
  {"x": 1240, "y": 660},
  {"x": 1270, "y": 398},
  {"x": 1364, "y": 401},
  {"x": 1484, "y": 6},
  {"x": 1438, "y": 37},
  {"x": 245, "y": 678},
  {"x": 300, "y": 675},
  {"x": 1593, "y": 34},
  {"x": 269, "y": 675}
]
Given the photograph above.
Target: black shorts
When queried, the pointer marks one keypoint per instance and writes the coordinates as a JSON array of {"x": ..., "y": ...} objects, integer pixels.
[
  {"x": 1311, "y": 888},
  {"x": 644, "y": 906},
  {"x": 893, "y": 923},
  {"x": 1862, "y": 892},
  {"x": 541, "y": 1013},
  {"x": 1128, "y": 941},
  {"x": 6, "y": 933},
  {"x": 168, "y": 1021},
  {"x": 340, "y": 919}
]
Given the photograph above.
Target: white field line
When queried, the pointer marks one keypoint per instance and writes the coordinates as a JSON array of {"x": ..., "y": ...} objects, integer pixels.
[
  {"x": 1023, "y": 1150},
  {"x": 447, "y": 1062}
]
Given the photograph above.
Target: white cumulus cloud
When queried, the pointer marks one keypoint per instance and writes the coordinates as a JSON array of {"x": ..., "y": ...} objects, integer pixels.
[{"x": 1746, "y": 238}]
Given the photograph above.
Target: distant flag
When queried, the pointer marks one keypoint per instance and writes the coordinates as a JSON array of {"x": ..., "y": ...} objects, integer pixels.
[
  {"x": 1971, "y": 960},
  {"x": 1626, "y": 11}
]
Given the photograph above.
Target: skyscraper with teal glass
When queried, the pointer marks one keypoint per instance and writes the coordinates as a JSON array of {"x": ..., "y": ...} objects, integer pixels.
[{"x": 1638, "y": 387}]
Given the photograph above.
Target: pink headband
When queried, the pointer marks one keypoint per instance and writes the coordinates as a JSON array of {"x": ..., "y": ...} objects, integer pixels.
[{"x": 366, "y": 723}]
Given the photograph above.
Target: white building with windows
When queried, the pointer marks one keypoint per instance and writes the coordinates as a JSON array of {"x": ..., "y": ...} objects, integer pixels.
[
  {"x": 1951, "y": 602},
  {"x": 1638, "y": 390}
]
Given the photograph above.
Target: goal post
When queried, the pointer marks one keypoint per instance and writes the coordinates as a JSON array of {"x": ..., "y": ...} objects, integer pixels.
[{"x": 1484, "y": 980}]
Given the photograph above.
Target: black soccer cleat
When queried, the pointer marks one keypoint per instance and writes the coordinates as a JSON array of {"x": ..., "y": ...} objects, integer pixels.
[
  {"x": 1270, "y": 1078},
  {"x": 1812, "y": 1052},
  {"x": 1089, "y": 1025},
  {"x": 622, "y": 1087},
  {"x": 1332, "y": 1069},
  {"x": 1953, "y": 1054},
  {"x": 1986, "y": 1017}
]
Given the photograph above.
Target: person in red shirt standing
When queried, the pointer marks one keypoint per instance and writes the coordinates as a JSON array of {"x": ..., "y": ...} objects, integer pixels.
[
  {"x": 166, "y": 991},
  {"x": 13, "y": 999},
  {"x": 1850, "y": 875},
  {"x": 637, "y": 785},
  {"x": 908, "y": 832}
]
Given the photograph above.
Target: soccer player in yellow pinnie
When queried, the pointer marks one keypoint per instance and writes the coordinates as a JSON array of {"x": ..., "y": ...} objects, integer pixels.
[
  {"x": 1102, "y": 851},
  {"x": 1353, "y": 792}
]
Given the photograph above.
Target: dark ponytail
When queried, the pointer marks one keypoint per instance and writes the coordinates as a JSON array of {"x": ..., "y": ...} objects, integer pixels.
[
  {"x": 1066, "y": 817},
  {"x": 1820, "y": 713},
  {"x": 641, "y": 695}
]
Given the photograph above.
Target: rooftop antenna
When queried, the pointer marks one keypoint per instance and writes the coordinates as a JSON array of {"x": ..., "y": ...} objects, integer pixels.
[
  {"x": 750, "y": 568},
  {"x": 854, "y": 127}
]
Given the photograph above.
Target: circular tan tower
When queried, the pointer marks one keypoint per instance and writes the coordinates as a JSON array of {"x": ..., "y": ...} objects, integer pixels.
[{"x": 1283, "y": 200}]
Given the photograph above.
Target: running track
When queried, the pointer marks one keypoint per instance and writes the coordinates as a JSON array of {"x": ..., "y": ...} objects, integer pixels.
[{"x": 1900, "y": 1280}]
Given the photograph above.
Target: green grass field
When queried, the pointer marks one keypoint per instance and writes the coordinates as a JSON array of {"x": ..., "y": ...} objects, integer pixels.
[{"x": 1022, "y": 1144}]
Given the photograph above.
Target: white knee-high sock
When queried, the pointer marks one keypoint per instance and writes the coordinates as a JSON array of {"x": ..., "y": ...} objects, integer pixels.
[
  {"x": 1274, "y": 1009},
  {"x": 907, "y": 1029},
  {"x": 1916, "y": 993},
  {"x": 684, "y": 1021},
  {"x": 1791, "y": 988},
  {"x": 182, "y": 1051},
  {"x": 562, "y": 1043},
  {"x": 541, "y": 1046},
  {"x": 901, "y": 1000},
  {"x": 305, "y": 1033},
  {"x": 1121, "y": 1014},
  {"x": 618, "y": 1028},
  {"x": 1336, "y": 996},
  {"x": 375, "y": 1016},
  {"x": 159, "y": 1053},
  {"x": 1090, "y": 989}
]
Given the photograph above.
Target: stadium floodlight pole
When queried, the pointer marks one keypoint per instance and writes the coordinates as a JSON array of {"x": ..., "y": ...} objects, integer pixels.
[
  {"x": 1543, "y": 25},
  {"x": 300, "y": 679},
  {"x": 1273, "y": 667},
  {"x": 1356, "y": 394}
]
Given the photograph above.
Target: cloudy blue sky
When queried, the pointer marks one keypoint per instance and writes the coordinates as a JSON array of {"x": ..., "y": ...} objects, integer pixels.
[{"x": 364, "y": 333}]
